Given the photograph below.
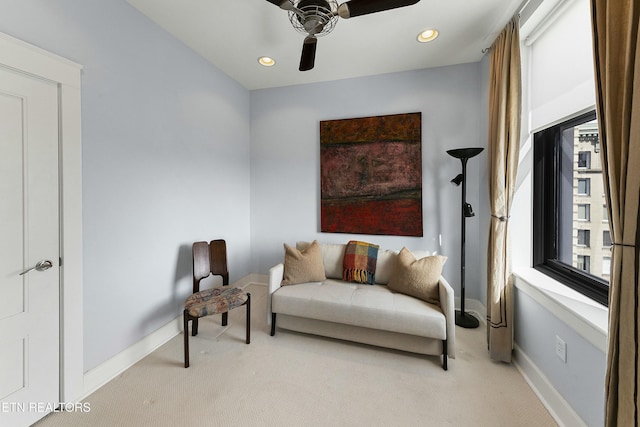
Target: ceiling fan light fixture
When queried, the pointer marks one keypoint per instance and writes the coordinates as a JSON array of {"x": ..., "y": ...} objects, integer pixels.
[
  {"x": 427, "y": 35},
  {"x": 266, "y": 61},
  {"x": 314, "y": 17}
]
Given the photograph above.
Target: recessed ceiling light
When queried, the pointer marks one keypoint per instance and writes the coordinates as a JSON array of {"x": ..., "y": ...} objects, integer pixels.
[
  {"x": 427, "y": 36},
  {"x": 267, "y": 61}
]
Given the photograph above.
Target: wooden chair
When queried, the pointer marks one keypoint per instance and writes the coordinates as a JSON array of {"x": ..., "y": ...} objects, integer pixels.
[{"x": 211, "y": 258}]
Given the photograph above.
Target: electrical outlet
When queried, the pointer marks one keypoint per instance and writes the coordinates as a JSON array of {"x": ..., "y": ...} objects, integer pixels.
[{"x": 561, "y": 349}]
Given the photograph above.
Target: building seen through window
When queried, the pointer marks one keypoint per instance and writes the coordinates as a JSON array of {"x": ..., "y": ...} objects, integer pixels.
[{"x": 585, "y": 224}]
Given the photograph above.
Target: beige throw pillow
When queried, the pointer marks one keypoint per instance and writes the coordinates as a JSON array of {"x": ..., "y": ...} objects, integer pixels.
[
  {"x": 418, "y": 278},
  {"x": 303, "y": 266}
]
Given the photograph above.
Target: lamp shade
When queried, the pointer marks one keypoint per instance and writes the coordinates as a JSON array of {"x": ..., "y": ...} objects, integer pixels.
[
  {"x": 465, "y": 153},
  {"x": 458, "y": 179},
  {"x": 468, "y": 210}
]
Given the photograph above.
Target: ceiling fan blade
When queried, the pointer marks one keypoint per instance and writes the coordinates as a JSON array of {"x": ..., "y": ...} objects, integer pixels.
[
  {"x": 354, "y": 8},
  {"x": 308, "y": 57},
  {"x": 282, "y": 4}
]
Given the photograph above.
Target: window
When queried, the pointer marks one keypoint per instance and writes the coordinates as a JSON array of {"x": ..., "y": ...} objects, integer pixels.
[
  {"x": 583, "y": 237},
  {"x": 584, "y": 159},
  {"x": 606, "y": 266},
  {"x": 584, "y": 263},
  {"x": 563, "y": 192},
  {"x": 606, "y": 239},
  {"x": 584, "y": 212},
  {"x": 584, "y": 186},
  {"x": 605, "y": 213}
]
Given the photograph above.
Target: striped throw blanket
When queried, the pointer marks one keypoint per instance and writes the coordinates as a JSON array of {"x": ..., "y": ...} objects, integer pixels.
[{"x": 359, "y": 264}]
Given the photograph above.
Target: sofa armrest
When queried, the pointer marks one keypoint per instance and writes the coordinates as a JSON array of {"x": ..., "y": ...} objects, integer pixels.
[
  {"x": 448, "y": 308},
  {"x": 276, "y": 274}
]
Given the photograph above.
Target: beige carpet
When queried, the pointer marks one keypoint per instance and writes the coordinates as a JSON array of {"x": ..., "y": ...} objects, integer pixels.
[{"x": 301, "y": 380}]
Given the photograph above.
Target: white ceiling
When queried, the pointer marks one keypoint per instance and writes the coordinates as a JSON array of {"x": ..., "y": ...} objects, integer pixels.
[{"x": 232, "y": 34}]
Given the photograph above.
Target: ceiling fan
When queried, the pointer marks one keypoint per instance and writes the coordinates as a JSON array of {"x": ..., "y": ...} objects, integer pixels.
[{"x": 316, "y": 18}]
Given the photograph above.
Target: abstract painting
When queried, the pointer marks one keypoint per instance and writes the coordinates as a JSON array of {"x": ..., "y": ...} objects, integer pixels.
[{"x": 371, "y": 175}]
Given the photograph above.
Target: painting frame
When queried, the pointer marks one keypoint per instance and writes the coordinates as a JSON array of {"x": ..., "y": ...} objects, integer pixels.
[{"x": 371, "y": 175}]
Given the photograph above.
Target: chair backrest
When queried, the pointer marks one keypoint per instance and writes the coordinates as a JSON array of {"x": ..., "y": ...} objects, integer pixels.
[{"x": 209, "y": 258}]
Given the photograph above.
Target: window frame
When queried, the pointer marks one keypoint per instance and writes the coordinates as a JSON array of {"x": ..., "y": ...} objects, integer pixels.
[
  {"x": 547, "y": 151},
  {"x": 587, "y": 212},
  {"x": 587, "y": 185},
  {"x": 586, "y": 263},
  {"x": 587, "y": 160},
  {"x": 608, "y": 262},
  {"x": 586, "y": 237}
]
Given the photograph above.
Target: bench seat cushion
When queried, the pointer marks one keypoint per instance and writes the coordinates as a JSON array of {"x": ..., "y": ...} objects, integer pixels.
[{"x": 367, "y": 306}]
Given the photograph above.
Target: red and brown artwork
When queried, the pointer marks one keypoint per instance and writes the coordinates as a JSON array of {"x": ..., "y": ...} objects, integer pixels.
[{"x": 371, "y": 175}]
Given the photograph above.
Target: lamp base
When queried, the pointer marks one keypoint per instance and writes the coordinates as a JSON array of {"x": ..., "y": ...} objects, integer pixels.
[{"x": 466, "y": 320}]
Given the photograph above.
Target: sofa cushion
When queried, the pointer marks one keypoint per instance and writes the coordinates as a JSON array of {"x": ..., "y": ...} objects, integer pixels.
[
  {"x": 418, "y": 277},
  {"x": 359, "y": 263},
  {"x": 368, "y": 306},
  {"x": 332, "y": 256},
  {"x": 386, "y": 265},
  {"x": 387, "y": 261},
  {"x": 303, "y": 266}
]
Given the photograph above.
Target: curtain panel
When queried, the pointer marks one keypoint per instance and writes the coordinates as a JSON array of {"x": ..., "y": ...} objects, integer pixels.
[
  {"x": 505, "y": 94},
  {"x": 617, "y": 73}
]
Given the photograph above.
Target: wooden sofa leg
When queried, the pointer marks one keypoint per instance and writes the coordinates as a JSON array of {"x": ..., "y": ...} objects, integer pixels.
[
  {"x": 248, "y": 318},
  {"x": 273, "y": 324},
  {"x": 444, "y": 354}
]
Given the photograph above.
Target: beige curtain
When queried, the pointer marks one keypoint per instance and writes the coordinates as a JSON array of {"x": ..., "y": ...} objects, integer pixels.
[
  {"x": 617, "y": 73},
  {"x": 504, "y": 146}
]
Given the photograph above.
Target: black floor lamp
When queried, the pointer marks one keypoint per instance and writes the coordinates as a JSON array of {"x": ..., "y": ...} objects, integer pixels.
[{"x": 462, "y": 318}]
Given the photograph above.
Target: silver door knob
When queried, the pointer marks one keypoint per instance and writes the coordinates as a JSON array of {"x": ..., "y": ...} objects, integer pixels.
[{"x": 40, "y": 266}]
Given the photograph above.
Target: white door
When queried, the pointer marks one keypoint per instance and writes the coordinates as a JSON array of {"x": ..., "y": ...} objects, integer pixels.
[{"x": 29, "y": 234}]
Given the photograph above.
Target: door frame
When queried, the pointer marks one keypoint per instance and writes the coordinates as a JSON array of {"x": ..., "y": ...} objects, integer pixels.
[{"x": 26, "y": 58}]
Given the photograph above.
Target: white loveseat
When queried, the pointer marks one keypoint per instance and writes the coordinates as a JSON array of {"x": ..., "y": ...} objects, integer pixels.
[{"x": 364, "y": 313}]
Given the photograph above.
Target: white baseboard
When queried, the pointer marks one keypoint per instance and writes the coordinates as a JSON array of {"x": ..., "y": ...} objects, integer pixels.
[
  {"x": 557, "y": 406},
  {"x": 252, "y": 278},
  {"x": 105, "y": 372}
]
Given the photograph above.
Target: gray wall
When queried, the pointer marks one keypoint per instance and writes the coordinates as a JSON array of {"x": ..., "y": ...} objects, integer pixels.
[
  {"x": 166, "y": 143},
  {"x": 285, "y": 147},
  {"x": 580, "y": 381}
]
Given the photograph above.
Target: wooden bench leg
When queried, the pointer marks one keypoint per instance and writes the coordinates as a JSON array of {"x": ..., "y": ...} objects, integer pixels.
[{"x": 273, "y": 324}]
